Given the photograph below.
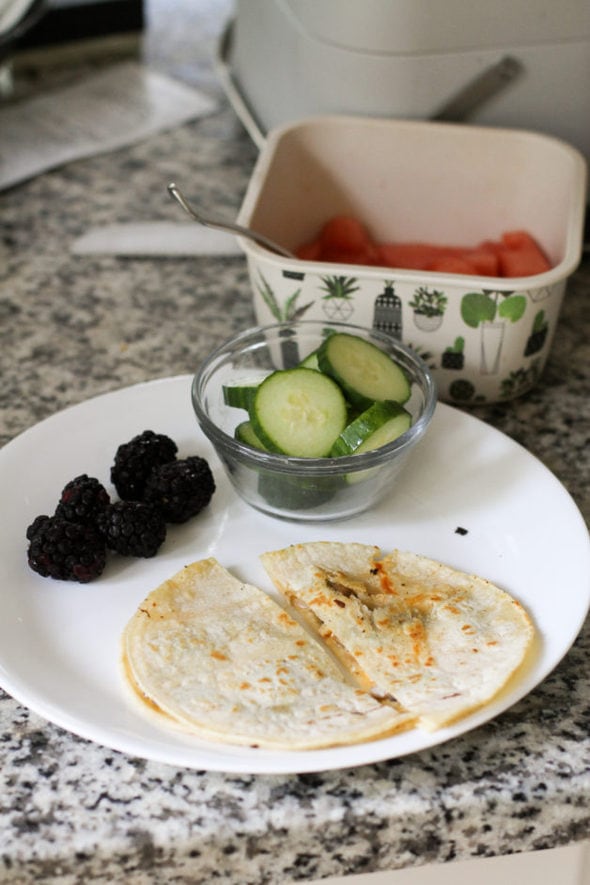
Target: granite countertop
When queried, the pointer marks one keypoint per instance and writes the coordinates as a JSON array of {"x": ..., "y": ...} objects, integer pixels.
[{"x": 71, "y": 327}]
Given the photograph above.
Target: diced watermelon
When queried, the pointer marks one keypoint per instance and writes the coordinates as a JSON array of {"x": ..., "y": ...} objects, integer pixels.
[
  {"x": 518, "y": 239},
  {"x": 342, "y": 256},
  {"x": 371, "y": 254},
  {"x": 428, "y": 256},
  {"x": 411, "y": 256},
  {"x": 345, "y": 240},
  {"x": 452, "y": 264},
  {"x": 310, "y": 251},
  {"x": 493, "y": 246},
  {"x": 522, "y": 255},
  {"x": 485, "y": 263},
  {"x": 522, "y": 262},
  {"x": 344, "y": 234}
]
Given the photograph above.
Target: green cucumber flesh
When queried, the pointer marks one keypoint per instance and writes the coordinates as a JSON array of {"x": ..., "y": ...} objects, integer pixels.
[
  {"x": 298, "y": 412},
  {"x": 245, "y": 433},
  {"x": 381, "y": 423},
  {"x": 239, "y": 396},
  {"x": 310, "y": 361},
  {"x": 365, "y": 372}
]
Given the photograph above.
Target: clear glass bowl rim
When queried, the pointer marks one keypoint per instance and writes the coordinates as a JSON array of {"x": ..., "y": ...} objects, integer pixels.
[{"x": 311, "y": 466}]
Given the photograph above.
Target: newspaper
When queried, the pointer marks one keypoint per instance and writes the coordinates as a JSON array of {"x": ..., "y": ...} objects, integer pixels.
[{"x": 116, "y": 107}]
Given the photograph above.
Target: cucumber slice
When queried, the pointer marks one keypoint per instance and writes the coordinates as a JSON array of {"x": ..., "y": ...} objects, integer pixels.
[
  {"x": 298, "y": 412},
  {"x": 310, "y": 361},
  {"x": 293, "y": 493},
  {"x": 240, "y": 396},
  {"x": 365, "y": 372},
  {"x": 244, "y": 433},
  {"x": 380, "y": 424}
]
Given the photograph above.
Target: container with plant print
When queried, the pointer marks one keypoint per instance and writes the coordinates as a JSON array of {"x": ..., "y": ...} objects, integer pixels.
[{"x": 486, "y": 339}]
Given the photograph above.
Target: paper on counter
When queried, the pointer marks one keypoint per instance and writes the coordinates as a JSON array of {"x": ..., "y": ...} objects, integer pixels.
[
  {"x": 569, "y": 865},
  {"x": 12, "y": 13},
  {"x": 111, "y": 109},
  {"x": 155, "y": 238}
]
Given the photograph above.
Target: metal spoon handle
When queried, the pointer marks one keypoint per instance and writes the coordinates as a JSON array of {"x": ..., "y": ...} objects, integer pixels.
[{"x": 226, "y": 225}]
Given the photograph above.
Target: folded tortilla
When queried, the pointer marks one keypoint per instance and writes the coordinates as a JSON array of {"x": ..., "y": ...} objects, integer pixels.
[
  {"x": 439, "y": 642},
  {"x": 226, "y": 662}
]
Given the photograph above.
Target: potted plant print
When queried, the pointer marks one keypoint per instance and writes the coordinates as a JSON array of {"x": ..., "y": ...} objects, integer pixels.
[
  {"x": 521, "y": 380},
  {"x": 491, "y": 310},
  {"x": 338, "y": 302},
  {"x": 538, "y": 335},
  {"x": 429, "y": 307},
  {"x": 453, "y": 357},
  {"x": 284, "y": 313}
]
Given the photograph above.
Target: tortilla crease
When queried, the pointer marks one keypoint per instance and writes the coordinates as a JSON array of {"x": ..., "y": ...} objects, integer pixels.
[
  {"x": 226, "y": 662},
  {"x": 440, "y": 642}
]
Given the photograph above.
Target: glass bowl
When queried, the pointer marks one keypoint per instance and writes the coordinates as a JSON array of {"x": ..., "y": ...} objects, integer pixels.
[{"x": 303, "y": 489}]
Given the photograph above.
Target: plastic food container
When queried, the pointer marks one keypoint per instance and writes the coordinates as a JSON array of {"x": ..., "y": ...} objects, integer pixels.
[{"x": 485, "y": 339}]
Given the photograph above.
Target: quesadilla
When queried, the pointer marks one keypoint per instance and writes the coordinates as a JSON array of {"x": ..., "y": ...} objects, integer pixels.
[
  {"x": 225, "y": 661},
  {"x": 438, "y": 642}
]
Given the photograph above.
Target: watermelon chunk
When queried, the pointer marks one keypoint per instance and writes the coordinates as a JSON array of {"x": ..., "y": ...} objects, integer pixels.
[
  {"x": 411, "y": 256},
  {"x": 452, "y": 264},
  {"x": 485, "y": 263},
  {"x": 519, "y": 239},
  {"x": 522, "y": 263},
  {"x": 345, "y": 240},
  {"x": 493, "y": 246},
  {"x": 344, "y": 234},
  {"x": 310, "y": 251},
  {"x": 521, "y": 255}
]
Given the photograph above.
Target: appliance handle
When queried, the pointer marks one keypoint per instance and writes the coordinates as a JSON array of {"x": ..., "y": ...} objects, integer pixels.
[
  {"x": 485, "y": 85},
  {"x": 458, "y": 108}
]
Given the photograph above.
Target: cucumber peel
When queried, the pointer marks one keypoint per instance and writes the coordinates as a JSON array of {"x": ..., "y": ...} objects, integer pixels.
[
  {"x": 381, "y": 423},
  {"x": 310, "y": 361},
  {"x": 239, "y": 396},
  {"x": 363, "y": 370},
  {"x": 245, "y": 433}
]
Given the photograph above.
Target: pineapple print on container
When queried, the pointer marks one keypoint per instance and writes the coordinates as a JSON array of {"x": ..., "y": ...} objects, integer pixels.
[
  {"x": 491, "y": 311},
  {"x": 338, "y": 303},
  {"x": 429, "y": 306},
  {"x": 387, "y": 312}
]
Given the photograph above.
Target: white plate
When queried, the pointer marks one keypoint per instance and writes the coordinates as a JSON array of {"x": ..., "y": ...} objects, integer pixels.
[{"x": 59, "y": 641}]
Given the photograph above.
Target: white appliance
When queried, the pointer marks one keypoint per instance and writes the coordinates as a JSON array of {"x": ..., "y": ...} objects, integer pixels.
[{"x": 514, "y": 63}]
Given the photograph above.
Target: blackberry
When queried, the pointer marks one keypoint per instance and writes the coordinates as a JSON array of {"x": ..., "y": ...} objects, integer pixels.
[
  {"x": 181, "y": 488},
  {"x": 135, "y": 460},
  {"x": 82, "y": 500},
  {"x": 132, "y": 528},
  {"x": 67, "y": 551}
]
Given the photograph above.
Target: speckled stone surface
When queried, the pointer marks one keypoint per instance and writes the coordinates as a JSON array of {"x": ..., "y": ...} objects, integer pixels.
[{"x": 73, "y": 812}]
